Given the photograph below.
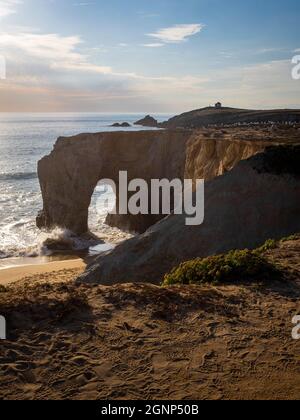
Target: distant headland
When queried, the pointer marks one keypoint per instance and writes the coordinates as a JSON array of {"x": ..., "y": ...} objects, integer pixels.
[{"x": 219, "y": 115}]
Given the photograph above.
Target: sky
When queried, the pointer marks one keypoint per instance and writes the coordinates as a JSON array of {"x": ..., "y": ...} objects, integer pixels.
[{"x": 163, "y": 56}]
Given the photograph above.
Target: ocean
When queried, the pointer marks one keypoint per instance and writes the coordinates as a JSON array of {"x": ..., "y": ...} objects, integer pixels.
[{"x": 24, "y": 139}]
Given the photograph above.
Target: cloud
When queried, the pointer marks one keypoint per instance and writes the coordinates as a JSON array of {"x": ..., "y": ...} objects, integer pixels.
[
  {"x": 148, "y": 15},
  {"x": 58, "y": 51},
  {"x": 84, "y": 4},
  {"x": 269, "y": 50},
  {"x": 154, "y": 45},
  {"x": 51, "y": 72},
  {"x": 257, "y": 86},
  {"x": 177, "y": 33},
  {"x": 8, "y": 7}
]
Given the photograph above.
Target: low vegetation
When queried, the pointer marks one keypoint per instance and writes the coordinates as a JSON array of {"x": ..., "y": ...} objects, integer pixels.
[
  {"x": 236, "y": 266},
  {"x": 290, "y": 238},
  {"x": 267, "y": 246}
]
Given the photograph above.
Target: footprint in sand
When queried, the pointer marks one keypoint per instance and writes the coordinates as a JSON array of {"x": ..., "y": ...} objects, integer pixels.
[{"x": 104, "y": 370}]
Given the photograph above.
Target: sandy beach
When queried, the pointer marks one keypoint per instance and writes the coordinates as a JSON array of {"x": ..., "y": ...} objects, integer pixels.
[
  {"x": 15, "y": 274},
  {"x": 139, "y": 341}
]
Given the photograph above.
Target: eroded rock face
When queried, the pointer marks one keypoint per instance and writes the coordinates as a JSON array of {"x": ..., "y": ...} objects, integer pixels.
[
  {"x": 69, "y": 175},
  {"x": 257, "y": 200}
]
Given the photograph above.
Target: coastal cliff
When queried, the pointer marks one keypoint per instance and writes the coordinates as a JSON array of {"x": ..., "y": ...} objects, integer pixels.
[
  {"x": 69, "y": 175},
  {"x": 247, "y": 200},
  {"x": 256, "y": 201}
]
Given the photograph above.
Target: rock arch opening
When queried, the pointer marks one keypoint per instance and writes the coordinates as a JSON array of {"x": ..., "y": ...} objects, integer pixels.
[
  {"x": 102, "y": 202},
  {"x": 69, "y": 175}
]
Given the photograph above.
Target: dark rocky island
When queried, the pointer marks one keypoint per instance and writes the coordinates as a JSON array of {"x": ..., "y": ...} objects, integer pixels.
[
  {"x": 121, "y": 125},
  {"x": 148, "y": 121}
]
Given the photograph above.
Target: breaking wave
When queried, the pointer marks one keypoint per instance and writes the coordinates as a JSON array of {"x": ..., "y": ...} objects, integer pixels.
[
  {"x": 18, "y": 176},
  {"x": 43, "y": 243}
]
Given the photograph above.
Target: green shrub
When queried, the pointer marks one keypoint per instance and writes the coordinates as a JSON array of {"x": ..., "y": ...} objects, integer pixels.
[
  {"x": 232, "y": 267},
  {"x": 267, "y": 246},
  {"x": 290, "y": 238}
]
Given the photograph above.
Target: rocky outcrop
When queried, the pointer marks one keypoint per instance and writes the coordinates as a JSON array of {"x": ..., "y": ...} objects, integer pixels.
[
  {"x": 257, "y": 200},
  {"x": 121, "y": 125},
  {"x": 148, "y": 121},
  {"x": 212, "y": 154},
  {"x": 69, "y": 175}
]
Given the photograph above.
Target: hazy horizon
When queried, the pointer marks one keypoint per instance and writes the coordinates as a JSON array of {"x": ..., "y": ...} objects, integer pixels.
[
  {"x": 142, "y": 113},
  {"x": 133, "y": 57}
]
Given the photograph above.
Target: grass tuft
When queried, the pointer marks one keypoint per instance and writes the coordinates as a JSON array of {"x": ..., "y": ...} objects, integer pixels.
[
  {"x": 290, "y": 238},
  {"x": 267, "y": 246}
]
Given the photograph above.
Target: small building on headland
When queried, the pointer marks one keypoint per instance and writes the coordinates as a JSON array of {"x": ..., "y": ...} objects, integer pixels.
[{"x": 218, "y": 105}]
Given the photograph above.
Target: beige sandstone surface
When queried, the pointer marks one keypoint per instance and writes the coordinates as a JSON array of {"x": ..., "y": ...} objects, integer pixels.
[
  {"x": 256, "y": 201},
  {"x": 246, "y": 203},
  {"x": 69, "y": 175}
]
